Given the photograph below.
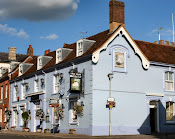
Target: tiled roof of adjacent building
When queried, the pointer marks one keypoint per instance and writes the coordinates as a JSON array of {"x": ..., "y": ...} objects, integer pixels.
[
  {"x": 4, "y": 57},
  {"x": 157, "y": 53}
]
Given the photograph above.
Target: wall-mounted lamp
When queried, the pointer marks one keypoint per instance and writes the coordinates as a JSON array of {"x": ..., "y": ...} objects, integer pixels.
[
  {"x": 82, "y": 103},
  {"x": 61, "y": 75},
  {"x": 16, "y": 88},
  {"x": 42, "y": 80},
  {"x": 62, "y": 106}
]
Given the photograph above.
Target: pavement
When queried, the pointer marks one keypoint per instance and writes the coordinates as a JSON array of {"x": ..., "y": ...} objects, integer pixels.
[{"x": 6, "y": 134}]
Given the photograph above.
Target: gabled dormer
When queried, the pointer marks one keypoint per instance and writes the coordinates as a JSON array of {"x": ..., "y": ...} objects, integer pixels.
[
  {"x": 82, "y": 46},
  {"x": 3, "y": 71},
  {"x": 42, "y": 61},
  {"x": 61, "y": 54},
  {"x": 23, "y": 67}
]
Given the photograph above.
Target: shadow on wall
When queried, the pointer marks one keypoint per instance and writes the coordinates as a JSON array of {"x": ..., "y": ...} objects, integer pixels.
[
  {"x": 156, "y": 123},
  {"x": 56, "y": 129}
]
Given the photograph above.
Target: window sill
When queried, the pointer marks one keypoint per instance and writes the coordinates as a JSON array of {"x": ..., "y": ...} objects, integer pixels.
[
  {"x": 74, "y": 124},
  {"x": 119, "y": 71},
  {"x": 170, "y": 123},
  {"x": 169, "y": 90}
]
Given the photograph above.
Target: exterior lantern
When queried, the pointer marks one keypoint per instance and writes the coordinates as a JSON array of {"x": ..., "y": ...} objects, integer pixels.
[
  {"x": 61, "y": 75},
  {"x": 16, "y": 88},
  {"x": 42, "y": 80}
]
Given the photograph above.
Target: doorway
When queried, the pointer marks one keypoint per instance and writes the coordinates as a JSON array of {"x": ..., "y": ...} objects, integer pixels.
[{"x": 154, "y": 118}]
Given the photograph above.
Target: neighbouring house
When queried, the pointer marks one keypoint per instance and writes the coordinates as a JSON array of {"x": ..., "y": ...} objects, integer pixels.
[
  {"x": 69, "y": 88},
  {"x": 8, "y": 61}
]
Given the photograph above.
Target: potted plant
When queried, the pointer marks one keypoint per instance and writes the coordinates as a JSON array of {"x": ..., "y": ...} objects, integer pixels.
[
  {"x": 72, "y": 131},
  {"x": 78, "y": 109},
  {"x": 46, "y": 130},
  {"x": 13, "y": 128},
  {"x": 26, "y": 129},
  {"x": 39, "y": 130},
  {"x": 25, "y": 117}
]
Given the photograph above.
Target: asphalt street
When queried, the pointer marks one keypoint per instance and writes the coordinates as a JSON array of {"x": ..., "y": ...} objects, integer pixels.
[{"x": 14, "y": 136}]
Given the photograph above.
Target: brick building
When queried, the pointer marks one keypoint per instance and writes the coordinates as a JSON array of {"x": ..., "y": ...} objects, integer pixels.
[{"x": 9, "y": 62}]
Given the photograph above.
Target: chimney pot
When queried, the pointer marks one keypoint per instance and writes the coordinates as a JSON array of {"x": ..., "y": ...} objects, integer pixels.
[
  {"x": 172, "y": 43},
  {"x": 47, "y": 51},
  {"x": 167, "y": 42},
  {"x": 117, "y": 14},
  {"x": 30, "y": 51},
  {"x": 156, "y": 42},
  {"x": 12, "y": 54},
  {"x": 161, "y": 42}
]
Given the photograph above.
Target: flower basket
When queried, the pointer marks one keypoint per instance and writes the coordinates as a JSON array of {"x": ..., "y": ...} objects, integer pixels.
[
  {"x": 13, "y": 128},
  {"x": 47, "y": 130},
  {"x": 78, "y": 109},
  {"x": 39, "y": 130},
  {"x": 72, "y": 131},
  {"x": 26, "y": 129}
]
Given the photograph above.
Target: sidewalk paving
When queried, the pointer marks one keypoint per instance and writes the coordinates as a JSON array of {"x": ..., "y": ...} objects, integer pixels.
[{"x": 61, "y": 135}]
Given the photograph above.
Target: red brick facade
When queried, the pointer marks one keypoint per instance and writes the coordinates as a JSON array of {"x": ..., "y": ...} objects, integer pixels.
[{"x": 4, "y": 103}]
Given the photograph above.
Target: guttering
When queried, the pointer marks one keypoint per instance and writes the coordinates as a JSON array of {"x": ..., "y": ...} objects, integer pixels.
[
  {"x": 59, "y": 66},
  {"x": 161, "y": 64}
]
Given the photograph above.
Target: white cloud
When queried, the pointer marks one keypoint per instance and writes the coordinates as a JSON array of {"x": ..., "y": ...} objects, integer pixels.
[
  {"x": 13, "y": 31},
  {"x": 50, "y": 37},
  {"x": 37, "y": 10}
]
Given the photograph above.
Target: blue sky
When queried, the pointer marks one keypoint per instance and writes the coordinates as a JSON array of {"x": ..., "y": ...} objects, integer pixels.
[{"x": 48, "y": 24}]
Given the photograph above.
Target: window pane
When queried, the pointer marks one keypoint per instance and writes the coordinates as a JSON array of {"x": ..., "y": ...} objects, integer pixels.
[
  {"x": 169, "y": 85},
  {"x": 166, "y": 75},
  {"x": 170, "y": 76}
]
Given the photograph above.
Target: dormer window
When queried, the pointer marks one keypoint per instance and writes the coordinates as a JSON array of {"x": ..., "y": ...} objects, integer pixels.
[
  {"x": 40, "y": 61},
  {"x": 59, "y": 56},
  {"x": 20, "y": 69},
  {"x": 80, "y": 48}
]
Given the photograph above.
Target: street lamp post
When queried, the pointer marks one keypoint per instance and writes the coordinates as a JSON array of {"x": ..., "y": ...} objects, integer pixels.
[{"x": 110, "y": 76}]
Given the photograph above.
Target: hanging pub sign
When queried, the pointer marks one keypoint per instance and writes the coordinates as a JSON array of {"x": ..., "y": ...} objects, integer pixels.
[
  {"x": 76, "y": 84},
  {"x": 75, "y": 81}
]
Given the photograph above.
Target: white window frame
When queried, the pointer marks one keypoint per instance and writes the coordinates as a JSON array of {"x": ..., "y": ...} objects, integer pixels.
[
  {"x": 0, "y": 115},
  {"x": 1, "y": 92},
  {"x": 23, "y": 91},
  {"x": 5, "y": 118},
  {"x": 22, "y": 109},
  {"x": 6, "y": 90},
  {"x": 36, "y": 85},
  {"x": 80, "y": 47},
  {"x": 169, "y": 81},
  {"x": 126, "y": 54},
  {"x": 15, "y": 94},
  {"x": 58, "y": 55},
  {"x": 56, "y": 83},
  {"x": 71, "y": 113},
  {"x": 170, "y": 121}
]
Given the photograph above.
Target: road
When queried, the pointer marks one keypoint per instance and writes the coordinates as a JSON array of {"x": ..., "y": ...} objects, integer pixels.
[{"x": 13, "y": 136}]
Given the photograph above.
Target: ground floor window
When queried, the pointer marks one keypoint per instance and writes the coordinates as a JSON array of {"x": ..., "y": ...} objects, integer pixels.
[
  {"x": 21, "y": 119},
  {"x": 73, "y": 117},
  {"x": 169, "y": 111},
  {"x": 0, "y": 115}
]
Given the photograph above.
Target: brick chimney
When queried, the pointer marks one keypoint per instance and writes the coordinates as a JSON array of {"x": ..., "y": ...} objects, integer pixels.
[
  {"x": 47, "y": 51},
  {"x": 161, "y": 42},
  {"x": 117, "y": 14},
  {"x": 12, "y": 54},
  {"x": 30, "y": 51}
]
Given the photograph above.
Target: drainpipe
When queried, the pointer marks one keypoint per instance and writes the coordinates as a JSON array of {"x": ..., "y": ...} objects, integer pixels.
[{"x": 110, "y": 76}]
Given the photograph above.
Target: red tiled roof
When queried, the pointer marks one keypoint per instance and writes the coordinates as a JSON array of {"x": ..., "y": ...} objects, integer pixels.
[
  {"x": 157, "y": 53},
  {"x": 153, "y": 52}
]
